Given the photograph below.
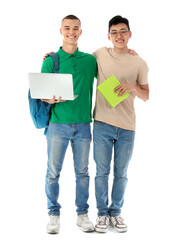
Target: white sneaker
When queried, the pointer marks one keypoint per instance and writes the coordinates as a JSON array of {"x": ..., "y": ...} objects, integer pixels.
[
  {"x": 84, "y": 223},
  {"x": 102, "y": 224},
  {"x": 118, "y": 224},
  {"x": 53, "y": 224}
]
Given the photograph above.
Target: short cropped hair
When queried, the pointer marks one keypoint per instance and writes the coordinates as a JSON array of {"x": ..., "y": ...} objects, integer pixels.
[
  {"x": 116, "y": 20},
  {"x": 72, "y": 17}
]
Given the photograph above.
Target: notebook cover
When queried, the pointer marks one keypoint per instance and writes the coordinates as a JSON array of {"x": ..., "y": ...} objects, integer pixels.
[{"x": 107, "y": 90}]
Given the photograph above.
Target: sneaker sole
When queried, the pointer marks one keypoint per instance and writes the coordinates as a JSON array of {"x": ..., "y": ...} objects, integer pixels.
[
  {"x": 53, "y": 232},
  {"x": 100, "y": 230},
  {"x": 84, "y": 230},
  {"x": 119, "y": 230}
]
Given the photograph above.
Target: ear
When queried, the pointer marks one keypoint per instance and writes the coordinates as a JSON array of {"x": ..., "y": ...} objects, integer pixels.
[
  {"x": 130, "y": 34},
  {"x": 80, "y": 31},
  {"x": 109, "y": 37},
  {"x": 60, "y": 31}
]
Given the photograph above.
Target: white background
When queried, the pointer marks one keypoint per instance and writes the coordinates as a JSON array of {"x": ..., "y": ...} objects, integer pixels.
[{"x": 28, "y": 30}]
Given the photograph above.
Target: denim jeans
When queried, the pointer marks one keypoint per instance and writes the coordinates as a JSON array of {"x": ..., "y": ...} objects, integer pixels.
[
  {"x": 58, "y": 137},
  {"x": 106, "y": 137}
]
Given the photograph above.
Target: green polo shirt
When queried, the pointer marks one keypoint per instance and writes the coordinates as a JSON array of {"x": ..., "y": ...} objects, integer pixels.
[{"x": 83, "y": 67}]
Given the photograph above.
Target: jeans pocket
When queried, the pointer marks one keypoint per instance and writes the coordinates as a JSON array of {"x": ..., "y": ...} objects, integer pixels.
[{"x": 96, "y": 122}]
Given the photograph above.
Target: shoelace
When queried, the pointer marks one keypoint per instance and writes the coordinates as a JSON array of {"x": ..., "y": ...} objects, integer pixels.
[
  {"x": 101, "y": 220},
  {"x": 85, "y": 217},
  {"x": 53, "y": 219},
  {"x": 119, "y": 220}
]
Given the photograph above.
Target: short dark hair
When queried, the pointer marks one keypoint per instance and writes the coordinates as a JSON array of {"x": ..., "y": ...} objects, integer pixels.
[
  {"x": 116, "y": 20},
  {"x": 72, "y": 17}
]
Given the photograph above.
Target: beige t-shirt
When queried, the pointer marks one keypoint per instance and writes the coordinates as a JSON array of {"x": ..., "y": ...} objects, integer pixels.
[{"x": 127, "y": 69}]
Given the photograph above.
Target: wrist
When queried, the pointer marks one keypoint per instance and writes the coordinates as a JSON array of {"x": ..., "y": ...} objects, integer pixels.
[{"x": 135, "y": 88}]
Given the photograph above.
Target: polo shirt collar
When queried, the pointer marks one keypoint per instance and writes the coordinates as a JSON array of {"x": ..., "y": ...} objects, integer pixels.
[{"x": 66, "y": 55}]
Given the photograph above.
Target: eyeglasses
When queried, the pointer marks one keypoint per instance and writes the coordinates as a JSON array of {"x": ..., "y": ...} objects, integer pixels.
[{"x": 122, "y": 33}]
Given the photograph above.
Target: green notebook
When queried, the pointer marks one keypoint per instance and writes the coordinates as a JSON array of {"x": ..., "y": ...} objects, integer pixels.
[{"x": 107, "y": 90}]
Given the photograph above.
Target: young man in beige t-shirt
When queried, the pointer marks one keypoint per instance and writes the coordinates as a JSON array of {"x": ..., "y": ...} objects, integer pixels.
[{"x": 115, "y": 127}]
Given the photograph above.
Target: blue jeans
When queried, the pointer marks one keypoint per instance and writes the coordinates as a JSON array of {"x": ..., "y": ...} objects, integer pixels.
[
  {"x": 58, "y": 137},
  {"x": 106, "y": 137}
]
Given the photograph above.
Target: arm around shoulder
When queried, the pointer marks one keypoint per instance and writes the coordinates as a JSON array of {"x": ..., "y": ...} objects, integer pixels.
[{"x": 47, "y": 65}]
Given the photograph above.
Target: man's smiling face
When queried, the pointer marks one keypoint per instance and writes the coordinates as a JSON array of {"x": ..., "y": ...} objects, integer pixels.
[
  {"x": 71, "y": 31},
  {"x": 119, "y": 35}
]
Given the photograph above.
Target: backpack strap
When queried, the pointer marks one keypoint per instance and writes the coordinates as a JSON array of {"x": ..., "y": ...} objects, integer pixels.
[{"x": 55, "y": 59}]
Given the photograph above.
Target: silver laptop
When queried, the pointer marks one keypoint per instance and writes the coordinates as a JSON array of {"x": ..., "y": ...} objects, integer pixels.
[{"x": 47, "y": 85}]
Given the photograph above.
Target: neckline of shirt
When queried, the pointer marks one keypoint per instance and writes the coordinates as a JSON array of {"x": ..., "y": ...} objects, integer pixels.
[
  {"x": 115, "y": 54},
  {"x": 77, "y": 53}
]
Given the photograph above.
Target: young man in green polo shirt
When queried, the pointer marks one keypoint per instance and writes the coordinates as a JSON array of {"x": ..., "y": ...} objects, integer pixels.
[{"x": 70, "y": 121}]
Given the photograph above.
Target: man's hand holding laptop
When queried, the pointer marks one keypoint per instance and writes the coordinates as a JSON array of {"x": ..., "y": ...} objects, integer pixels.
[{"x": 53, "y": 100}]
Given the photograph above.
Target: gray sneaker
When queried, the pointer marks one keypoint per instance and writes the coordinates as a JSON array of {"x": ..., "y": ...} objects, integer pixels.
[
  {"x": 53, "y": 225},
  {"x": 102, "y": 223},
  {"x": 118, "y": 224},
  {"x": 84, "y": 223}
]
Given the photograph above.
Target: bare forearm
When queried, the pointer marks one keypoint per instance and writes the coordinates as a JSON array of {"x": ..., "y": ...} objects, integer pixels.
[{"x": 141, "y": 92}]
